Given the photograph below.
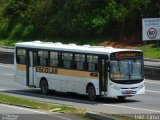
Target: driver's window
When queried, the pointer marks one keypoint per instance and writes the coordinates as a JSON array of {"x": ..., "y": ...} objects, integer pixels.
[{"x": 114, "y": 67}]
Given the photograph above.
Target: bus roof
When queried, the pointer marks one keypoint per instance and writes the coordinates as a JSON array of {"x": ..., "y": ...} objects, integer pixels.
[{"x": 70, "y": 47}]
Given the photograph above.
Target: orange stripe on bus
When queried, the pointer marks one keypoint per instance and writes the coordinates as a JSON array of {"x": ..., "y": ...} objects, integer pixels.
[
  {"x": 67, "y": 72},
  {"x": 21, "y": 67}
]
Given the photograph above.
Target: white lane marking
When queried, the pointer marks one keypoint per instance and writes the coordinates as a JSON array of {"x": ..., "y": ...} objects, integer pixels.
[
  {"x": 27, "y": 109},
  {"x": 119, "y": 106},
  {"x": 152, "y": 91},
  {"x": 60, "y": 117},
  {"x": 152, "y": 81},
  {"x": 6, "y": 65}
]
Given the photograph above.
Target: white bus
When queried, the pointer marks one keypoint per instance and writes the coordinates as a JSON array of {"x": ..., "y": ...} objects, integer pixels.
[{"x": 90, "y": 70}]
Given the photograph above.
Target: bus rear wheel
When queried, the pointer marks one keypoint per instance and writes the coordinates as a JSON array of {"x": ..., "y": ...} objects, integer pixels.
[
  {"x": 44, "y": 87},
  {"x": 91, "y": 93}
]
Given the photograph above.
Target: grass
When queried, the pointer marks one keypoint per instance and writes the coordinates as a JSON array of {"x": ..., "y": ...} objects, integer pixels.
[
  {"x": 7, "y": 99},
  {"x": 150, "y": 51},
  {"x": 34, "y": 104}
]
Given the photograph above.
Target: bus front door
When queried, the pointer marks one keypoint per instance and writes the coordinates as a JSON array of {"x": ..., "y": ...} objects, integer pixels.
[
  {"x": 103, "y": 75},
  {"x": 31, "y": 67}
]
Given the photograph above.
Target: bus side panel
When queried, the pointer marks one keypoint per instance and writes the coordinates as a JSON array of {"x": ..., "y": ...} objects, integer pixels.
[
  {"x": 54, "y": 82},
  {"x": 68, "y": 81},
  {"x": 75, "y": 84},
  {"x": 52, "y": 79},
  {"x": 63, "y": 83},
  {"x": 76, "y": 81},
  {"x": 20, "y": 74}
]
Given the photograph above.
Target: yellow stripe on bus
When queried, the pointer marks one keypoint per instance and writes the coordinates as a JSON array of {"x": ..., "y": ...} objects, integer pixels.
[
  {"x": 59, "y": 71},
  {"x": 76, "y": 73},
  {"x": 67, "y": 72}
]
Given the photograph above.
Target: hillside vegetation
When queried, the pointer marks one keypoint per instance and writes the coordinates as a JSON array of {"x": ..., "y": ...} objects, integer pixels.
[{"x": 75, "y": 19}]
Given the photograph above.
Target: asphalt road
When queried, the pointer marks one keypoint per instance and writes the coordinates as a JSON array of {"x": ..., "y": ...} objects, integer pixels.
[
  {"x": 152, "y": 64},
  {"x": 142, "y": 104},
  {"x": 9, "y": 112}
]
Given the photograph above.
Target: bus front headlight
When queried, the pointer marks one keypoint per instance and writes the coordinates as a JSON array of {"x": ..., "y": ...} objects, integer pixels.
[
  {"x": 114, "y": 86},
  {"x": 141, "y": 86}
]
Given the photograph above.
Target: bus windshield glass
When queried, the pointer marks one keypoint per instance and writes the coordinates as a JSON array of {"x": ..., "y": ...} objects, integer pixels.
[{"x": 126, "y": 69}]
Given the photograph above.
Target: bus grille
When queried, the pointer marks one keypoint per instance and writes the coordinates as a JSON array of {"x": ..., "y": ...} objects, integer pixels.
[
  {"x": 130, "y": 88},
  {"x": 128, "y": 92}
]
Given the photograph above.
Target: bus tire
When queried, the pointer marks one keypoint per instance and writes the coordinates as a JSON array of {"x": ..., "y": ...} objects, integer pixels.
[
  {"x": 91, "y": 93},
  {"x": 44, "y": 87}
]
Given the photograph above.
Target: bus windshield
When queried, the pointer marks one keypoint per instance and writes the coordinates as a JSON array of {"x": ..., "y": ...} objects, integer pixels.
[{"x": 126, "y": 69}]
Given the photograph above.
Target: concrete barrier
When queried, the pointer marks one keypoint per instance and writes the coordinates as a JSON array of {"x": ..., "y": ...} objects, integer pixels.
[
  {"x": 6, "y": 57},
  {"x": 96, "y": 116},
  {"x": 152, "y": 73}
]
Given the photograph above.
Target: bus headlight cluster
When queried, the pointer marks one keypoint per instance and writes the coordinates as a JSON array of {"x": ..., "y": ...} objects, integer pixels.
[
  {"x": 141, "y": 86},
  {"x": 114, "y": 86}
]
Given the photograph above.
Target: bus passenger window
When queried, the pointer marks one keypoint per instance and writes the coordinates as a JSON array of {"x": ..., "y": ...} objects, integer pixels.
[
  {"x": 43, "y": 58},
  {"x": 54, "y": 59},
  {"x": 21, "y": 56},
  {"x": 67, "y": 60},
  {"x": 79, "y": 61},
  {"x": 92, "y": 61}
]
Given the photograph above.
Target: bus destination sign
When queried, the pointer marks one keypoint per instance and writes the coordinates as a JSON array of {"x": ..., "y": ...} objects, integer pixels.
[{"x": 126, "y": 54}]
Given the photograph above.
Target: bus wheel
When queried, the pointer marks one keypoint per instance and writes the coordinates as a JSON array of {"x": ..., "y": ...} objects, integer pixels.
[
  {"x": 44, "y": 87},
  {"x": 91, "y": 93},
  {"x": 121, "y": 98}
]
